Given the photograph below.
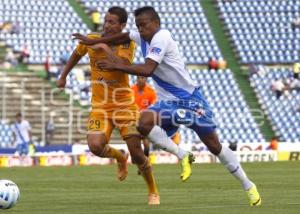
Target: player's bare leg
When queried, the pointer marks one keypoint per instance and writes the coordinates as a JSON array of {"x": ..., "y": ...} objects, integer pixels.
[
  {"x": 98, "y": 146},
  {"x": 138, "y": 157},
  {"x": 146, "y": 144}
]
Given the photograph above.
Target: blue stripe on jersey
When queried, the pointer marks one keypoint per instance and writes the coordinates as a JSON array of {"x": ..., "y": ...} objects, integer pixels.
[
  {"x": 143, "y": 46},
  {"x": 177, "y": 92}
]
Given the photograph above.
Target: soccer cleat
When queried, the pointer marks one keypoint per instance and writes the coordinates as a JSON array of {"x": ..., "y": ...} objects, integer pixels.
[
  {"x": 186, "y": 163},
  {"x": 254, "y": 197},
  {"x": 154, "y": 199},
  {"x": 123, "y": 167}
]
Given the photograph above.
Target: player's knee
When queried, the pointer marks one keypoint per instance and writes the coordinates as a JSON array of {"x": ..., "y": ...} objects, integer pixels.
[
  {"x": 146, "y": 123},
  {"x": 144, "y": 127},
  {"x": 212, "y": 142},
  {"x": 96, "y": 147},
  {"x": 215, "y": 148}
]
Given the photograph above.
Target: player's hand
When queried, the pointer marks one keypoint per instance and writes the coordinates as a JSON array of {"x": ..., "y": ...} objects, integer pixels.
[
  {"x": 83, "y": 39},
  {"x": 61, "y": 83}
]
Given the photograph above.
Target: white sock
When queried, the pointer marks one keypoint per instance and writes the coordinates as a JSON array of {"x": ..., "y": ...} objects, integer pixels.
[
  {"x": 228, "y": 158},
  {"x": 159, "y": 137}
]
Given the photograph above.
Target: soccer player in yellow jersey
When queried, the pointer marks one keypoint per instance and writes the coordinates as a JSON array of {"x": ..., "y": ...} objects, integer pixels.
[{"x": 113, "y": 102}]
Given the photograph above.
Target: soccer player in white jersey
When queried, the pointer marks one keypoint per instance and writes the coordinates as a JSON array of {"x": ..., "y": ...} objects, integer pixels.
[{"x": 180, "y": 101}]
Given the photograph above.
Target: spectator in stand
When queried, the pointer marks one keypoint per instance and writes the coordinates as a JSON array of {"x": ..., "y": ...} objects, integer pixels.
[
  {"x": 233, "y": 146},
  {"x": 6, "y": 27},
  {"x": 24, "y": 55},
  {"x": 222, "y": 64},
  {"x": 47, "y": 66},
  {"x": 11, "y": 58},
  {"x": 294, "y": 84},
  {"x": 212, "y": 64},
  {"x": 296, "y": 70},
  {"x": 16, "y": 29},
  {"x": 296, "y": 23},
  {"x": 278, "y": 87},
  {"x": 95, "y": 15},
  {"x": 22, "y": 134}
]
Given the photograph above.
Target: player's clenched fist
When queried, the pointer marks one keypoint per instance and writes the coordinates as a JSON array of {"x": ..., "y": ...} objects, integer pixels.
[{"x": 61, "y": 83}]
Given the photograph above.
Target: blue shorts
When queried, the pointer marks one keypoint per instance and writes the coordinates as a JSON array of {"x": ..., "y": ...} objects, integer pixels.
[
  {"x": 23, "y": 148},
  {"x": 193, "y": 112}
]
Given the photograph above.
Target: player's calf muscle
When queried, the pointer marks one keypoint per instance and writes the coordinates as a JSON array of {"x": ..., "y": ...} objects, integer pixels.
[{"x": 135, "y": 149}]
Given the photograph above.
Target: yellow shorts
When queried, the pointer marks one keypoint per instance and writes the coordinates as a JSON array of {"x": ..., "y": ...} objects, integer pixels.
[{"x": 102, "y": 122}]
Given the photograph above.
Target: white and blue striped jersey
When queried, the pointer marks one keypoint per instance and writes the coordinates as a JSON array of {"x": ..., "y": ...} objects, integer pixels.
[{"x": 172, "y": 80}]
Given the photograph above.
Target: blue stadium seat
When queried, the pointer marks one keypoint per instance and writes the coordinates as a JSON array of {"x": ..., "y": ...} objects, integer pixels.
[{"x": 264, "y": 22}]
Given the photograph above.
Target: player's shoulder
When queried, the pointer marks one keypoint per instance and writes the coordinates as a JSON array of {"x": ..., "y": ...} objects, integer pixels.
[
  {"x": 25, "y": 122},
  {"x": 94, "y": 35},
  {"x": 164, "y": 32},
  {"x": 163, "y": 35}
]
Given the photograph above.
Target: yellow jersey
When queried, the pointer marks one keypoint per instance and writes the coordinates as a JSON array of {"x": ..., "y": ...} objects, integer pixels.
[{"x": 110, "y": 89}]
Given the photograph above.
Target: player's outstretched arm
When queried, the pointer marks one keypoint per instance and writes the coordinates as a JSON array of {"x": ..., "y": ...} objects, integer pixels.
[
  {"x": 145, "y": 70},
  {"x": 73, "y": 60},
  {"x": 116, "y": 39},
  {"x": 110, "y": 54}
]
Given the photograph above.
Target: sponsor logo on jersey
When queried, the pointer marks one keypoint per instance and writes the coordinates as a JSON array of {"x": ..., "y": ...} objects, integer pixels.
[
  {"x": 181, "y": 113},
  {"x": 155, "y": 50},
  {"x": 101, "y": 80}
]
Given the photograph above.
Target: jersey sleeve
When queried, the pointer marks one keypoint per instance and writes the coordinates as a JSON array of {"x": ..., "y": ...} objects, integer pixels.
[
  {"x": 81, "y": 49},
  {"x": 127, "y": 51},
  {"x": 159, "y": 46},
  {"x": 135, "y": 36},
  {"x": 27, "y": 125}
]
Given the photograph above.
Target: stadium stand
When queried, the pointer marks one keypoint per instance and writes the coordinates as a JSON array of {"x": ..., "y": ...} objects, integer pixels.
[
  {"x": 79, "y": 85},
  {"x": 34, "y": 108},
  {"x": 284, "y": 113},
  {"x": 44, "y": 26},
  {"x": 184, "y": 18},
  {"x": 6, "y": 135},
  {"x": 232, "y": 115},
  {"x": 261, "y": 30}
]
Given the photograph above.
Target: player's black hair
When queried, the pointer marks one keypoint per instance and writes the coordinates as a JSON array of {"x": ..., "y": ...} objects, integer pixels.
[
  {"x": 120, "y": 12},
  {"x": 148, "y": 10}
]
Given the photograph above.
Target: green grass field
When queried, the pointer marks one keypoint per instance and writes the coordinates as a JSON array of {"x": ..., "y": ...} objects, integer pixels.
[{"x": 95, "y": 189}]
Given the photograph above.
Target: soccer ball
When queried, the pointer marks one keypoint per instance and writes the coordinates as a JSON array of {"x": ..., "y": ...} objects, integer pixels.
[{"x": 9, "y": 194}]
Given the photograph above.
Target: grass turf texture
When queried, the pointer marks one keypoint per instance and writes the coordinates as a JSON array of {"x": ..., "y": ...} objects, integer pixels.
[{"x": 95, "y": 189}]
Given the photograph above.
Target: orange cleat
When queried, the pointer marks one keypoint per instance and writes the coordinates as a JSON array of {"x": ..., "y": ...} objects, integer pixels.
[{"x": 123, "y": 167}]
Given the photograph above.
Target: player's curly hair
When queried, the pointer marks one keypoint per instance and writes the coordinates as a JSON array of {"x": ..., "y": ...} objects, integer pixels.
[{"x": 148, "y": 10}]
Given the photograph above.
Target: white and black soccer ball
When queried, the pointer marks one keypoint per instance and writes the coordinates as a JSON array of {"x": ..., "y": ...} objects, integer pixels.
[{"x": 9, "y": 194}]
